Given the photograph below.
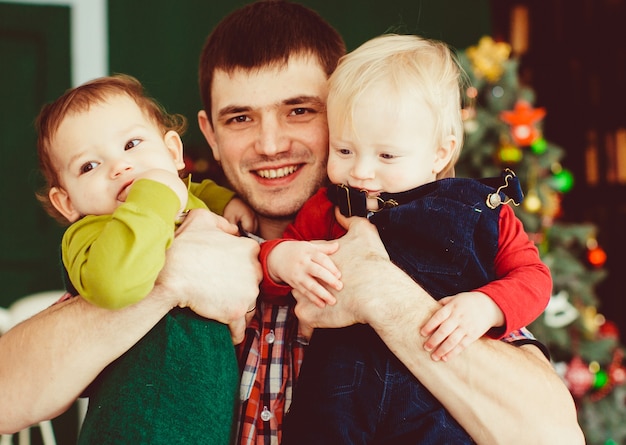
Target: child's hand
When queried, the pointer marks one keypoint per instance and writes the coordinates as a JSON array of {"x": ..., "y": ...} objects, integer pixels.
[
  {"x": 172, "y": 180},
  {"x": 463, "y": 319},
  {"x": 237, "y": 211},
  {"x": 303, "y": 265}
]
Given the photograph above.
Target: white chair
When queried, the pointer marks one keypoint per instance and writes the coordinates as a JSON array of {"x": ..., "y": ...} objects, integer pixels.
[{"x": 19, "y": 311}]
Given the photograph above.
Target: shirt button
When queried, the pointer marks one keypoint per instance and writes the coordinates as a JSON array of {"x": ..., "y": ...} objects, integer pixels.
[
  {"x": 266, "y": 414},
  {"x": 270, "y": 337}
]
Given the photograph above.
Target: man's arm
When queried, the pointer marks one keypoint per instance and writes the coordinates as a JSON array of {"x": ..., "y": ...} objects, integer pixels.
[
  {"x": 48, "y": 360},
  {"x": 497, "y": 392}
]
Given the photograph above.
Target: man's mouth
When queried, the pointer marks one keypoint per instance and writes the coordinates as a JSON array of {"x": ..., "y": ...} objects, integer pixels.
[{"x": 275, "y": 173}]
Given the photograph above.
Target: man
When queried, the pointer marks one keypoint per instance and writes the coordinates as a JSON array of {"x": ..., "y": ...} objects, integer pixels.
[
  {"x": 264, "y": 119},
  {"x": 263, "y": 95}
]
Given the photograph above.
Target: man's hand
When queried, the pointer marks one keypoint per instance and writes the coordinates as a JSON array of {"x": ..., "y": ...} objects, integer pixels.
[
  {"x": 215, "y": 273},
  {"x": 360, "y": 252}
]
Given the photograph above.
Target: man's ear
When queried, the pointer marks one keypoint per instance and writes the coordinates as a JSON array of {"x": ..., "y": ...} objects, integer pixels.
[
  {"x": 444, "y": 154},
  {"x": 174, "y": 145},
  {"x": 63, "y": 203},
  {"x": 207, "y": 130}
]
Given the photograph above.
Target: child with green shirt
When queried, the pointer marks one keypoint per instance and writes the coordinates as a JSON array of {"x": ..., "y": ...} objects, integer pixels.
[{"x": 111, "y": 156}]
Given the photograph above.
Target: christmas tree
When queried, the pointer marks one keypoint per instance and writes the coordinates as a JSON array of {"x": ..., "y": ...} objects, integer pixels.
[{"x": 504, "y": 130}]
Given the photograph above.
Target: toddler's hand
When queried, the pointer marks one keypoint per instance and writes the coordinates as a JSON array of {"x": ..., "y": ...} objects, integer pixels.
[
  {"x": 303, "y": 265},
  {"x": 238, "y": 212},
  {"x": 461, "y": 320}
]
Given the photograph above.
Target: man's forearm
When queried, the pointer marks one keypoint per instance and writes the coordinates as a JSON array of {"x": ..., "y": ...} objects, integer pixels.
[
  {"x": 48, "y": 360},
  {"x": 497, "y": 392}
]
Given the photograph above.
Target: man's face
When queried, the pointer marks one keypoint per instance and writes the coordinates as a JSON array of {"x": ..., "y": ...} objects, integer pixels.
[{"x": 270, "y": 134}]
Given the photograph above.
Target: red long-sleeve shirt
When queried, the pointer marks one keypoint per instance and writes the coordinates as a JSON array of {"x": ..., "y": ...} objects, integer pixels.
[{"x": 522, "y": 288}]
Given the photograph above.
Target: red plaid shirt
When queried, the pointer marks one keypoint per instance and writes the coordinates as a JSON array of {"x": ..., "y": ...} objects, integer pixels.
[{"x": 270, "y": 360}]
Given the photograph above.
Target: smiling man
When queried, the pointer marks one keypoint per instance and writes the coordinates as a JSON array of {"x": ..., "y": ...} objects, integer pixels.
[{"x": 263, "y": 81}]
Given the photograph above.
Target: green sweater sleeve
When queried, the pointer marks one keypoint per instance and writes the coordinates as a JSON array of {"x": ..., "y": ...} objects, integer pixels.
[
  {"x": 114, "y": 260},
  {"x": 214, "y": 196}
]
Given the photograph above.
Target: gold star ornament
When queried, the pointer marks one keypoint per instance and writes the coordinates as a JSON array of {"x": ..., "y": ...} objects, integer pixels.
[{"x": 488, "y": 58}]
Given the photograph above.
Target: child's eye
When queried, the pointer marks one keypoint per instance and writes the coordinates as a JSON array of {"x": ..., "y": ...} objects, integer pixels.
[
  {"x": 387, "y": 156},
  {"x": 344, "y": 151},
  {"x": 132, "y": 144},
  {"x": 87, "y": 167}
]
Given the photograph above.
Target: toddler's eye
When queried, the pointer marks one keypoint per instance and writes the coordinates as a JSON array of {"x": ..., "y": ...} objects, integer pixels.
[
  {"x": 387, "y": 156},
  {"x": 87, "y": 167},
  {"x": 132, "y": 144}
]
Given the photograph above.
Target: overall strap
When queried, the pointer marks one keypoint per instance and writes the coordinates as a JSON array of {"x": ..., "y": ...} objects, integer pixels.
[{"x": 353, "y": 202}]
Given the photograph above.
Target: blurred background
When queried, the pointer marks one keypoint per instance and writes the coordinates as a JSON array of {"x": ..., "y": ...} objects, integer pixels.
[{"x": 548, "y": 101}]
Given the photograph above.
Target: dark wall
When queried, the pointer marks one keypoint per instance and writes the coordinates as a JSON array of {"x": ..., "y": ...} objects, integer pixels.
[
  {"x": 160, "y": 41},
  {"x": 35, "y": 60}
]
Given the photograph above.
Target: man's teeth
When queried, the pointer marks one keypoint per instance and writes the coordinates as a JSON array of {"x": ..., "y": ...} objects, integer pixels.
[{"x": 277, "y": 172}]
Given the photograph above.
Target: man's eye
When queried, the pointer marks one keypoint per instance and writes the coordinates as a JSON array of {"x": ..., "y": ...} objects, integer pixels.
[
  {"x": 238, "y": 119},
  {"x": 131, "y": 144},
  {"x": 300, "y": 111},
  {"x": 87, "y": 167}
]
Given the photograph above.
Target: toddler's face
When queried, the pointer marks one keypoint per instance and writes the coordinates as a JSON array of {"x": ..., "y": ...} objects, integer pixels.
[
  {"x": 100, "y": 152},
  {"x": 388, "y": 148}
]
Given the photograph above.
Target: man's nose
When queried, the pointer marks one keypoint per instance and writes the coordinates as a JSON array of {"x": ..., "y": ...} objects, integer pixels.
[{"x": 272, "y": 137}]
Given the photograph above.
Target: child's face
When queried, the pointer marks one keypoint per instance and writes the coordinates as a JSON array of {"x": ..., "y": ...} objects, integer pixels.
[
  {"x": 389, "y": 148},
  {"x": 100, "y": 152}
]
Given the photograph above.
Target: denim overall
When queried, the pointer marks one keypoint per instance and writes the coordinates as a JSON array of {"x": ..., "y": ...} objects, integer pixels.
[{"x": 352, "y": 389}]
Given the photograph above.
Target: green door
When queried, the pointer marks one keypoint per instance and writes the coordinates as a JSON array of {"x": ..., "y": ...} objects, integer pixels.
[{"x": 35, "y": 60}]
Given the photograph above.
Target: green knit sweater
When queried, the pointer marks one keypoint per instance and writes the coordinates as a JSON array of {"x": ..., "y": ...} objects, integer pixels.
[{"x": 178, "y": 384}]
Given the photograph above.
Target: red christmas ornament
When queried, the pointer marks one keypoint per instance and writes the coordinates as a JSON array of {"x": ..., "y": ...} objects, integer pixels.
[
  {"x": 188, "y": 163},
  {"x": 596, "y": 256},
  {"x": 522, "y": 120},
  {"x": 609, "y": 330},
  {"x": 578, "y": 377},
  {"x": 618, "y": 375}
]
